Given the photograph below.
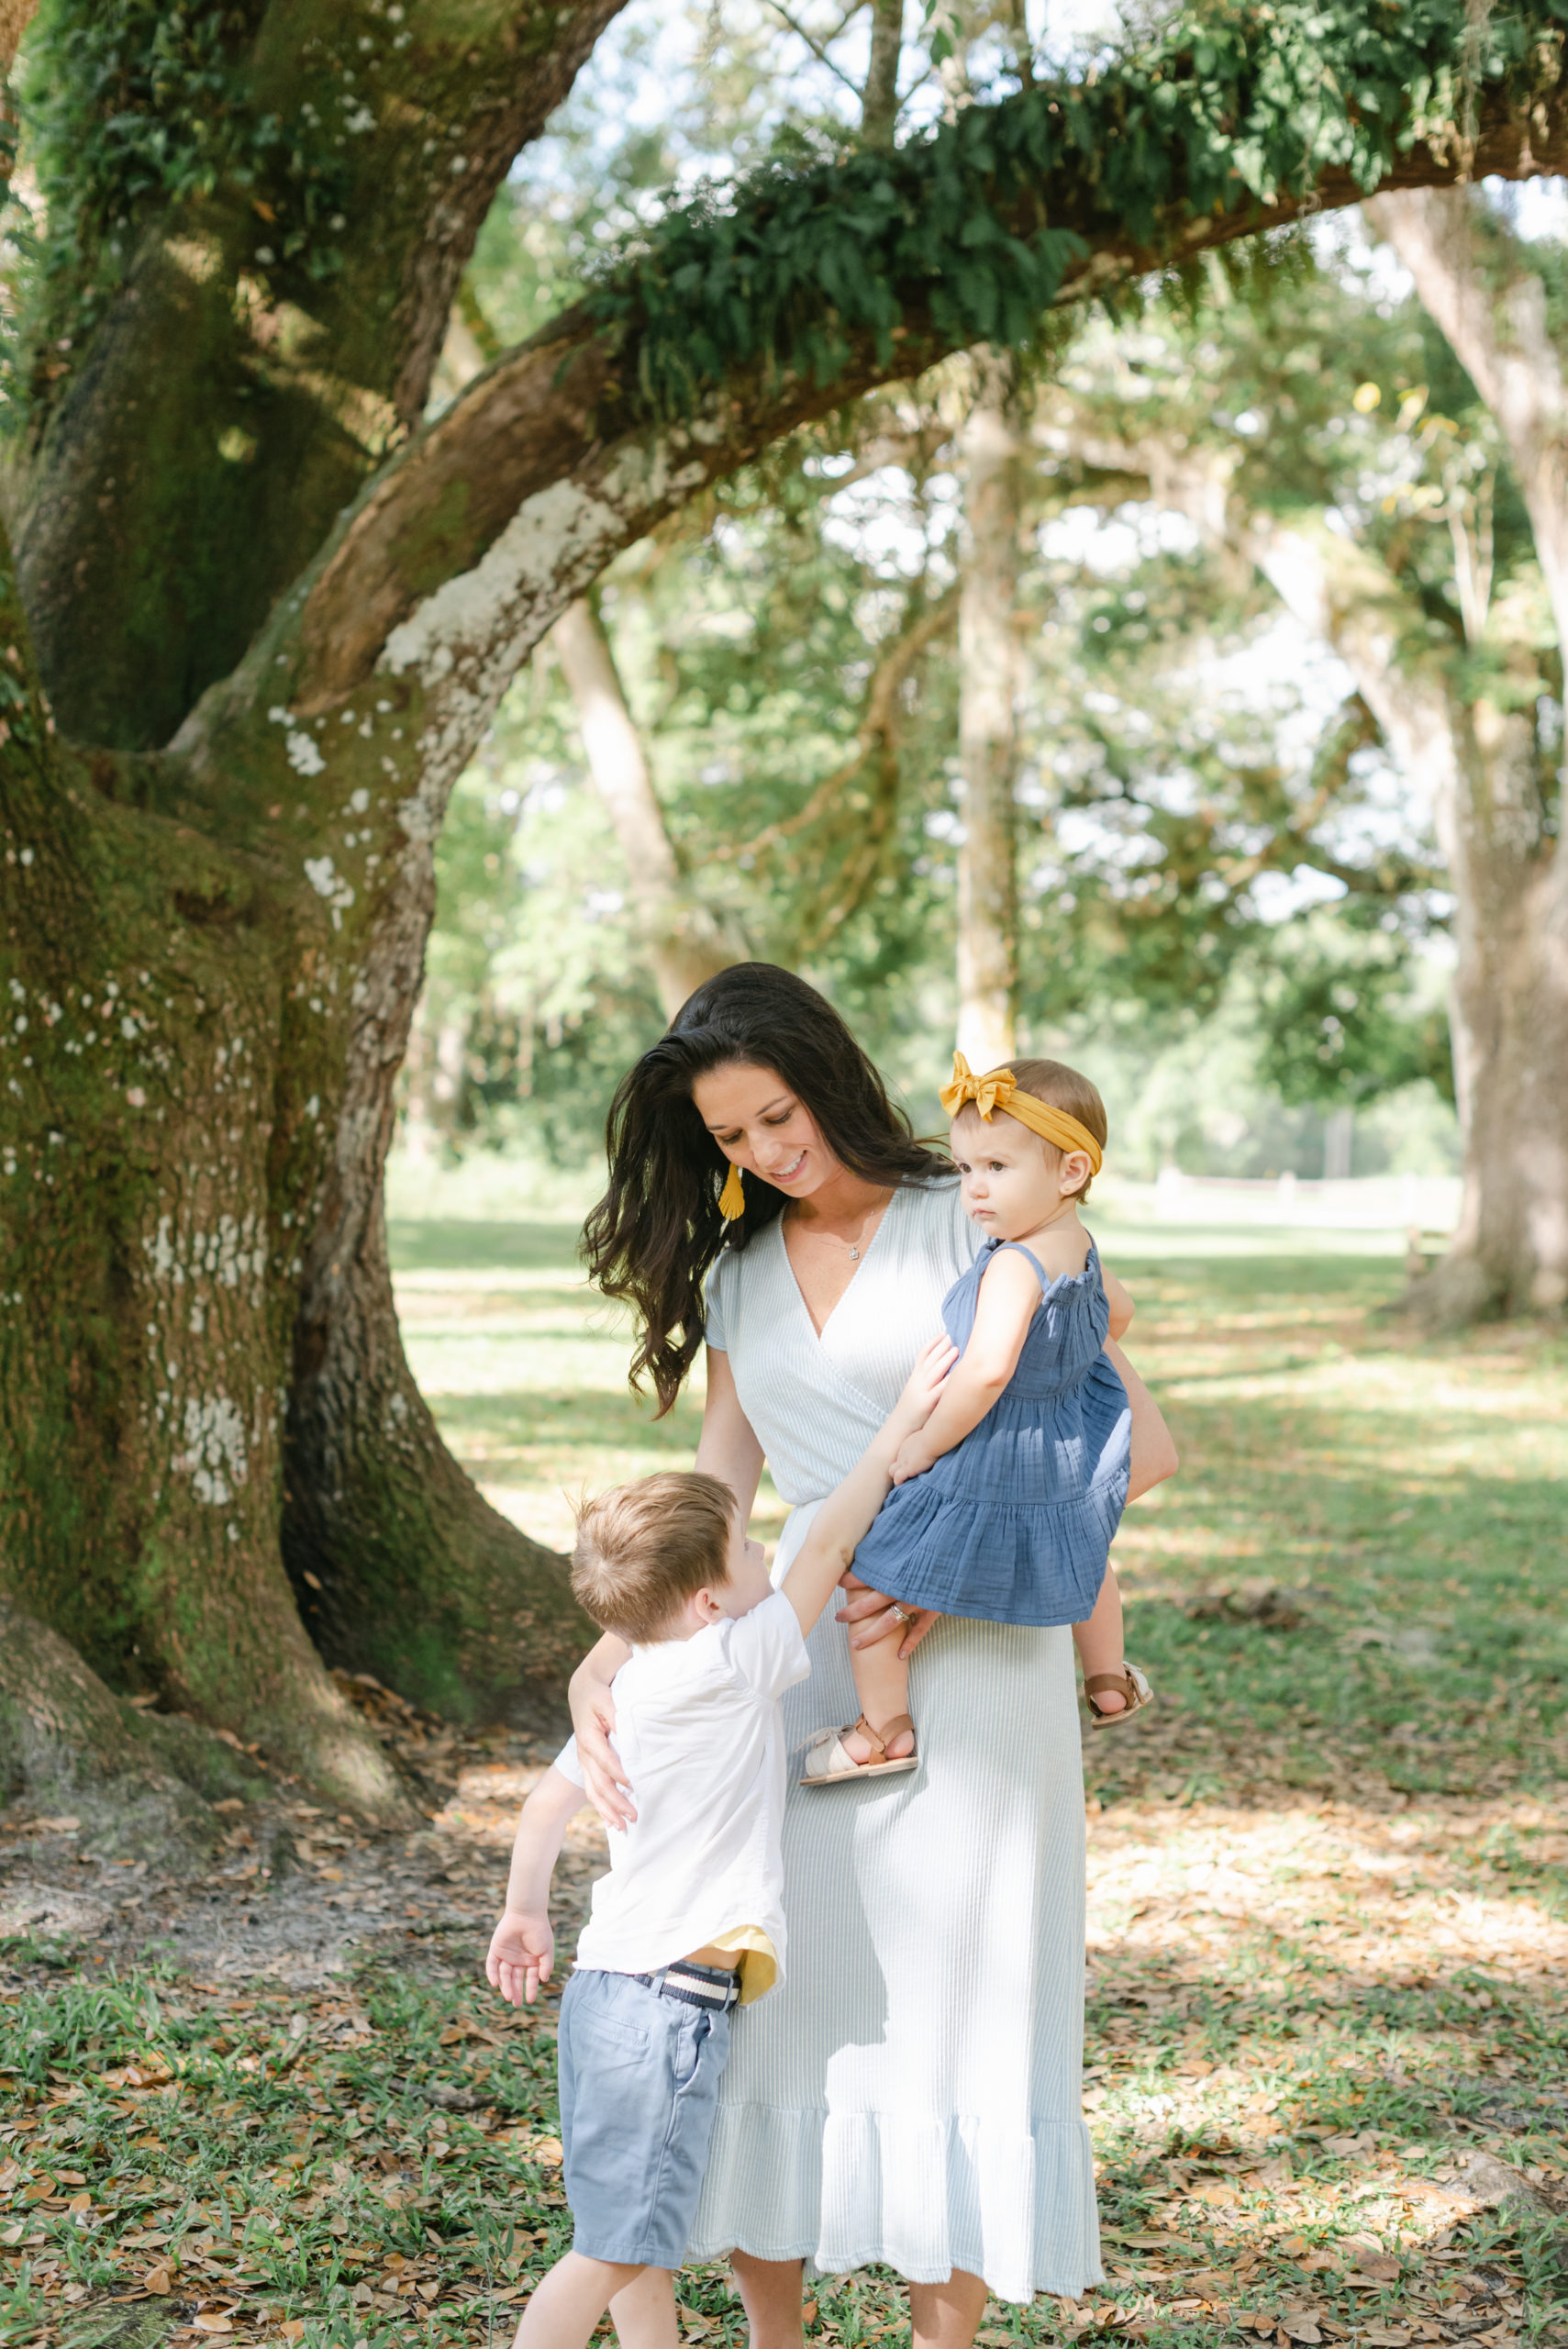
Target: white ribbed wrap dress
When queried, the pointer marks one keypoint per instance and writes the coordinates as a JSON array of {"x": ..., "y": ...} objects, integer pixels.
[{"x": 912, "y": 2094}]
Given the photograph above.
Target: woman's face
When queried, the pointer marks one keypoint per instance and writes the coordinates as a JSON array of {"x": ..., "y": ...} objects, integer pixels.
[{"x": 764, "y": 1128}]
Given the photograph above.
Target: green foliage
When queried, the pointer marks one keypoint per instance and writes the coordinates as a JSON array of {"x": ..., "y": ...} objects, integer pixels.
[
  {"x": 1338, "y": 1027},
  {"x": 131, "y": 108},
  {"x": 964, "y": 235}
]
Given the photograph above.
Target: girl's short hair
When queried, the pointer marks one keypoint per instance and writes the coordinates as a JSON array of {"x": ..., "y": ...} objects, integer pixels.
[
  {"x": 654, "y": 1234},
  {"x": 643, "y": 1550},
  {"x": 1061, "y": 1087}
]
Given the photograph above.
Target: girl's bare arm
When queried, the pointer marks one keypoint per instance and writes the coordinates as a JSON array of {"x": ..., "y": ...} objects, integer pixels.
[{"x": 1009, "y": 1293}]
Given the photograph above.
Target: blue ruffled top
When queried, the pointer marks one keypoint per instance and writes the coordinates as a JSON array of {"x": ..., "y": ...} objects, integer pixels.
[{"x": 1014, "y": 1525}]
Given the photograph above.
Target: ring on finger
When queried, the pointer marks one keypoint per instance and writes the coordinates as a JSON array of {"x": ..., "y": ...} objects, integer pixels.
[{"x": 898, "y": 1610}]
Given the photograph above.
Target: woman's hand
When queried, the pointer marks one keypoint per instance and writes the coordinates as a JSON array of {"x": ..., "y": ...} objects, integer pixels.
[
  {"x": 593, "y": 1720},
  {"x": 873, "y": 1617}
]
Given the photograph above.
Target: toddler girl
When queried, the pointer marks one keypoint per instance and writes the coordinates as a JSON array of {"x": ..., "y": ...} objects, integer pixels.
[{"x": 1006, "y": 1502}]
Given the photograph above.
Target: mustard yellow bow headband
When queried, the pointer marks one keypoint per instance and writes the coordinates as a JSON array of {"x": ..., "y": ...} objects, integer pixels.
[{"x": 1001, "y": 1090}]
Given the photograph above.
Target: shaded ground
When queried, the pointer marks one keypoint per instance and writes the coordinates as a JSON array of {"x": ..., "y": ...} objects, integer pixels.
[{"x": 1327, "y": 2028}]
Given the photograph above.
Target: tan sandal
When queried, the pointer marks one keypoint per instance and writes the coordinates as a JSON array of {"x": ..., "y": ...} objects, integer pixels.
[
  {"x": 1129, "y": 1683},
  {"x": 829, "y": 1762}
]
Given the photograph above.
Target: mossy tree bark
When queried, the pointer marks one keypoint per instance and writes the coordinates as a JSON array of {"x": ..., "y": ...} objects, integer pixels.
[{"x": 216, "y": 945}]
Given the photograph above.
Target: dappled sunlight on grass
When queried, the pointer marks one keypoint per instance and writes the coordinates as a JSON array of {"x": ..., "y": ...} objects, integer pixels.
[
  {"x": 1327, "y": 2043},
  {"x": 1329, "y": 1870}
]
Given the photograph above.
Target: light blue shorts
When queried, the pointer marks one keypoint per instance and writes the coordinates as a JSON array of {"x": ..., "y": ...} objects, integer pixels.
[{"x": 639, "y": 2076}]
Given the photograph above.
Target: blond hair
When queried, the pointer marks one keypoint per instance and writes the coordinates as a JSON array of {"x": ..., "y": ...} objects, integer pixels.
[
  {"x": 643, "y": 1550},
  {"x": 1060, "y": 1087}
]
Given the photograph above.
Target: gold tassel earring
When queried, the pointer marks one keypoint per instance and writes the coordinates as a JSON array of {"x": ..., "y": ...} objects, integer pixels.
[{"x": 732, "y": 1198}]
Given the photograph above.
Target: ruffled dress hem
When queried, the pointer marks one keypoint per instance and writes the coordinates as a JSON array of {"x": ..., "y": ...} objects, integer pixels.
[
  {"x": 925, "y": 2197},
  {"x": 982, "y": 1559}
]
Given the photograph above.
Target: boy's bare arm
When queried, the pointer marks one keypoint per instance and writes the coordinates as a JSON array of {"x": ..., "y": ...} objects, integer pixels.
[
  {"x": 522, "y": 1947},
  {"x": 845, "y": 1515}
]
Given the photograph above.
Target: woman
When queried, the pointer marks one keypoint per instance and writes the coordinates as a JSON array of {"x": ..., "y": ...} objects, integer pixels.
[{"x": 911, "y": 2095}]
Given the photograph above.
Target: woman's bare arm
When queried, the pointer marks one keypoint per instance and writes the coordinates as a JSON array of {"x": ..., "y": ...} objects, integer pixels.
[
  {"x": 1153, "y": 1453},
  {"x": 1119, "y": 1302},
  {"x": 727, "y": 1448},
  {"x": 592, "y": 1718}
]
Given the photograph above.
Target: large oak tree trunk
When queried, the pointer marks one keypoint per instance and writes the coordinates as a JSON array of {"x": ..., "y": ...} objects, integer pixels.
[
  {"x": 157, "y": 1127},
  {"x": 227, "y": 1285}
]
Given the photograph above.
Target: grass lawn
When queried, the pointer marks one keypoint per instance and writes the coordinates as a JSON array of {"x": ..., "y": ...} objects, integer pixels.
[{"x": 1327, "y": 2030}]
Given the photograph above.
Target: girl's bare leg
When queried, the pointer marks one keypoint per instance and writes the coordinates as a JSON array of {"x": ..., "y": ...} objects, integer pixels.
[
  {"x": 947, "y": 2316},
  {"x": 882, "y": 1684},
  {"x": 643, "y": 2312},
  {"x": 1098, "y": 1641},
  {"x": 770, "y": 2293}
]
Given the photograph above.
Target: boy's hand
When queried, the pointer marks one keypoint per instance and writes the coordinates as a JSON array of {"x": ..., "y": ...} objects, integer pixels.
[
  {"x": 922, "y": 1389},
  {"x": 522, "y": 1949}
]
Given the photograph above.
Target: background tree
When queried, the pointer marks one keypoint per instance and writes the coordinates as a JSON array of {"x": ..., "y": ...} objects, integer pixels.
[{"x": 1395, "y": 530}]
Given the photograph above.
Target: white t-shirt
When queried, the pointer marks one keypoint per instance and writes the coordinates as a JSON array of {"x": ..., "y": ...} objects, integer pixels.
[{"x": 699, "y": 1731}]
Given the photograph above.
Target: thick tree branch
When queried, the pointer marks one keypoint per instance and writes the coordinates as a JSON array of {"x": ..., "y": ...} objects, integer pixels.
[
  {"x": 474, "y": 539},
  {"x": 291, "y": 352},
  {"x": 879, "y": 101},
  {"x": 16, "y": 15}
]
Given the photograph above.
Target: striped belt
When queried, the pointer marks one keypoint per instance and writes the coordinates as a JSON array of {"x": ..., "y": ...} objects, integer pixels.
[{"x": 696, "y": 1985}]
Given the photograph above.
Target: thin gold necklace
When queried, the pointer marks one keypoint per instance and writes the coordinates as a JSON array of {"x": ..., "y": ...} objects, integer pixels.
[
  {"x": 861, "y": 1235},
  {"x": 860, "y": 1240}
]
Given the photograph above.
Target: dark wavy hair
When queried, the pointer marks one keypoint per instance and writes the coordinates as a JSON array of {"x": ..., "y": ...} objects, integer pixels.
[{"x": 656, "y": 1231}]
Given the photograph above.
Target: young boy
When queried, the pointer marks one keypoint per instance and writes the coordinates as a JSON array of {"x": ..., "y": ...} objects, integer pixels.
[{"x": 690, "y": 1921}]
